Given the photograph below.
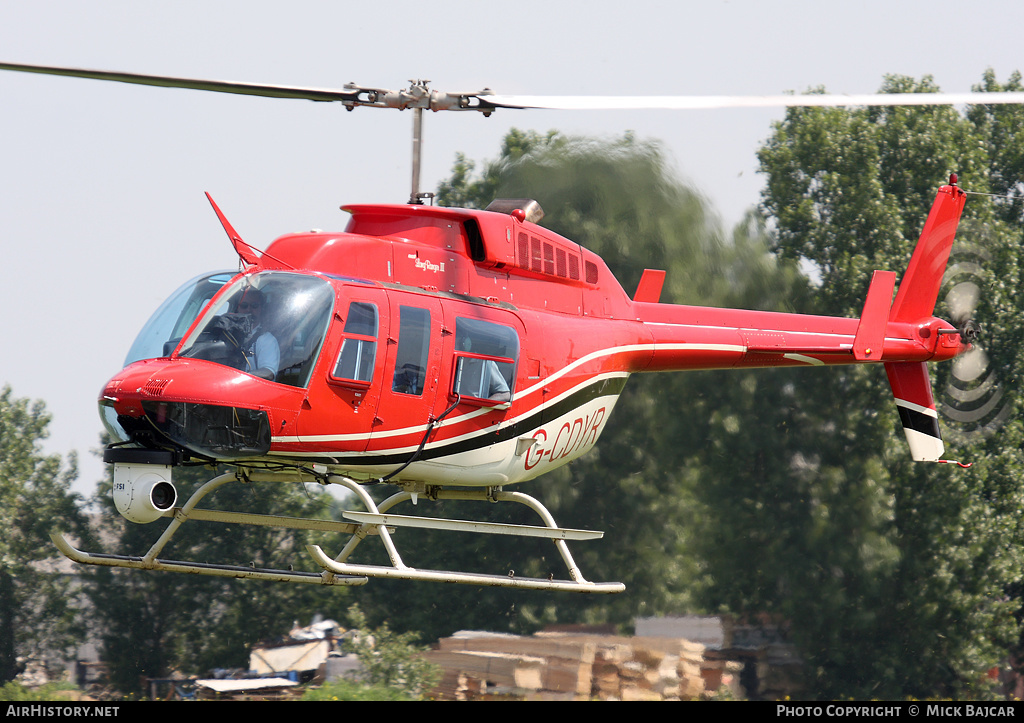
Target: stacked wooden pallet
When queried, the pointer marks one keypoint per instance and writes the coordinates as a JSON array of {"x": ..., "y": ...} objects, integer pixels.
[{"x": 565, "y": 666}]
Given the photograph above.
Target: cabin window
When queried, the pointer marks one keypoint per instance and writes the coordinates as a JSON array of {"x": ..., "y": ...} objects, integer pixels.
[
  {"x": 413, "y": 351},
  {"x": 485, "y": 361},
  {"x": 359, "y": 348}
]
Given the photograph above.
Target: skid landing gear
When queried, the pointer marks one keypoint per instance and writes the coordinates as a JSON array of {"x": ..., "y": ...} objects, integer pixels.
[{"x": 376, "y": 520}]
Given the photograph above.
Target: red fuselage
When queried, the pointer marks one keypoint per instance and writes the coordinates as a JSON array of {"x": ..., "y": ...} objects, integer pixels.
[{"x": 414, "y": 311}]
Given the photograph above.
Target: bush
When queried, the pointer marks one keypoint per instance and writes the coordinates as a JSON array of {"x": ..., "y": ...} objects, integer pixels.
[
  {"x": 390, "y": 660},
  {"x": 16, "y": 692},
  {"x": 351, "y": 690}
]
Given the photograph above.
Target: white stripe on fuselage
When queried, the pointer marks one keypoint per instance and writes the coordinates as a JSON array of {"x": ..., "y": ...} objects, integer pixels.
[
  {"x": 447, "y": 423},
  {"x": 533, "y": 389},
  {"x": 550, "y": 445}
]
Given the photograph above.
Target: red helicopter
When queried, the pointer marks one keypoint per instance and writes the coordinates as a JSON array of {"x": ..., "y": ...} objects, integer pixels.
[{"x": 453, "y": 354}]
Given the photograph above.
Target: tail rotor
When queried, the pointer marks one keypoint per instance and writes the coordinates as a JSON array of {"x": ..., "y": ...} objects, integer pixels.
[{"x": 972, "y": 401}]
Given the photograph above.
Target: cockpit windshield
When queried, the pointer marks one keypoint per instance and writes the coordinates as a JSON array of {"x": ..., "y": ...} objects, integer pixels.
[
  {"x": 163, "y": 332},
  {"x": 271, "y": 324}
]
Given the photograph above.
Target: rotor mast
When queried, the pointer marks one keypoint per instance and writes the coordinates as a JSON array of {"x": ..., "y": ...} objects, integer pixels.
[
  {"x": 419, "y": 97},
  {"x": 417, "y": 151}
]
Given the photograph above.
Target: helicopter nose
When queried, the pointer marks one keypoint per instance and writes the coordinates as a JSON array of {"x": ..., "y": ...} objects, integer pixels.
[{"x": 203, "y": 409}]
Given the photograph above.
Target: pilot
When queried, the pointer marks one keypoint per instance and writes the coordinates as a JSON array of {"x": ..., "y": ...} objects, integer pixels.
[{"x": 262, "y": 352}]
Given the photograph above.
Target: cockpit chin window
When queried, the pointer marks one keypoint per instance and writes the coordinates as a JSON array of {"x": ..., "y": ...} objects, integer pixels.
[{"x": 271, "y": 325}]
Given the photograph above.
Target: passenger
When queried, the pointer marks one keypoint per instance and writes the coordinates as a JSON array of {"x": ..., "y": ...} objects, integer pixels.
[{"x": 494, "y": 383}]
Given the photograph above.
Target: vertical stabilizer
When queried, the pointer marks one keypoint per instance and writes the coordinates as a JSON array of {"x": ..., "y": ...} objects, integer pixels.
[
  {"x": 919, "y": 288},
  {"x": 915, "y": 303}
]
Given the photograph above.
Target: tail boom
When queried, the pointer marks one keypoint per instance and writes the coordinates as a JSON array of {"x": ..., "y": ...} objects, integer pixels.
[
  {"x": 903, "y": 334},
  {"x": 690, "y": 337}
]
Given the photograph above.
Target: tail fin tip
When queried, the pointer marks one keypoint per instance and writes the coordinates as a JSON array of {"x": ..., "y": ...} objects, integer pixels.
[
  {"x": 919, "y": 287},
  {"x": 912, "y": 390}
]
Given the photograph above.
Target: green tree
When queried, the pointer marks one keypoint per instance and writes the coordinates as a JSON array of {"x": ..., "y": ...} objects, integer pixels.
[
  {"x": 895, "y": 578},
  {"x": 37, "y": 604}
]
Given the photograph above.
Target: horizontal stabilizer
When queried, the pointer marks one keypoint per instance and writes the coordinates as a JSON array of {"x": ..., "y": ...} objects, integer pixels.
[{"x": 867, "y": 345}]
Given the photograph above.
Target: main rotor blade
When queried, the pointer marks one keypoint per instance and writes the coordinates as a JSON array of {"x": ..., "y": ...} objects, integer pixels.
[
  {"x": 219, "y": 86},
  {"x": 682, "y": 102},
  {"x": 418, "y": 95}
]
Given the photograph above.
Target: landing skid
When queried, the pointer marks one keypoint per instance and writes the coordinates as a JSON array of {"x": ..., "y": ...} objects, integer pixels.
[{"x": 377, "y": 521}]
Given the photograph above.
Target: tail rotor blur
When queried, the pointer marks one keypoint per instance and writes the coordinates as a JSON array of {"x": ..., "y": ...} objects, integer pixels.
[{"x": 972, "y": 401}]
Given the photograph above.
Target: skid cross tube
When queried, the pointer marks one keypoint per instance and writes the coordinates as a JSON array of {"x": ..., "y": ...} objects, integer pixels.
[
  {"x": 180, "y": 515},
  {"x": 376, "y": 521}
]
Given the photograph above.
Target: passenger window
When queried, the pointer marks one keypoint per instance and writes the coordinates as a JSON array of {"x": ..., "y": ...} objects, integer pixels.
[
  {"x": 359, "y": 349},
  {"x": 485, "y": 361},
  {"x": 413, "y": 350}
]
